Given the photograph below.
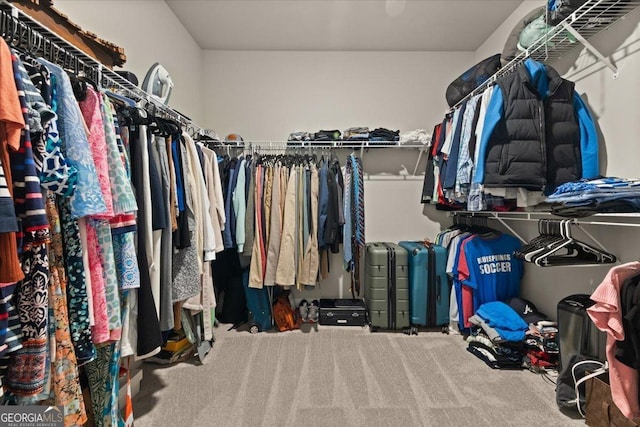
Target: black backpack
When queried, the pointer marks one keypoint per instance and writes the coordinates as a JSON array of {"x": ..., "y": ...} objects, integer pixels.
[
  {"x": 571, "y": 383},
  {"x": 472, "y": 78},
  {"x": 563, "y": 8}
]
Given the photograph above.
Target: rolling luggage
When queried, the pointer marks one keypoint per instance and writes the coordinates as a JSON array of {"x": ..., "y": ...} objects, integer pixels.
[
  {"x": 428, "y": 284},
  {"x": 387, "y": 286},
  {"x": 576, "y": 332},
  {"x": 258, "y": 306}
]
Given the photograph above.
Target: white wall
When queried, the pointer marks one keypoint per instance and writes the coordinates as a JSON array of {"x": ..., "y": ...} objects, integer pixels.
[
  {"x": 495, "y": 42},
  {"x": 614, "y": 105},
  {"x": 264, "y": 96},
  {"x": 149, "y": 32}
]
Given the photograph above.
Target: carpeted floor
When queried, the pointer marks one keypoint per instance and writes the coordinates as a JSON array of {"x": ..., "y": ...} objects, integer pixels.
[{"x": 333, "y": 376}]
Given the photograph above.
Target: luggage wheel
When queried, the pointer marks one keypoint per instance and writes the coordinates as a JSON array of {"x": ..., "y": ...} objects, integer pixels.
[
  {"x": 373, "y": 329},
  {"x": 445, "y": 330},
  {"x": 407, "y": 331},
  {"x": 254, "y": 329},
  {"x": 414, "y": 330}
]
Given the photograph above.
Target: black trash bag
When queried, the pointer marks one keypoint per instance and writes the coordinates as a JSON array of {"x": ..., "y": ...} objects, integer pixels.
[
  {"x": 562, "y": 9},
  {"x": 472, "y": 78}
]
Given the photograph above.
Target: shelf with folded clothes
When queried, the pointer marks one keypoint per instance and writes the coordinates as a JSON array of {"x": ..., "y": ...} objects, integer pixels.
[
  {"x": 591, "y": 18},
  {"x": 353, "y": 144},
  {"x": 341, "y": 144},
  {"x": 360, "y": 137},
  {"x": 602, "y": 197},
  {"x": 322, "y": 146}
]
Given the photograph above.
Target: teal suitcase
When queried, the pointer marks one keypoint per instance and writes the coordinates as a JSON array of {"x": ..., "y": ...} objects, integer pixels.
[
  {"x": 387, "y": 286},
  {"x": 429, "y": 288}
]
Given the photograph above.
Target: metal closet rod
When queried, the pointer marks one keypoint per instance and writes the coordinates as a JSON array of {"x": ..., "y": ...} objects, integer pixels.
[
  {"x": 22, "y": 31},
  {"x": 342, "y": 144},
  {"x": 528, "y": 217}
]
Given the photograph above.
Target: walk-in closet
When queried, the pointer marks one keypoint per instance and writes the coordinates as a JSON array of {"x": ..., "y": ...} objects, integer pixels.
[{"x": 319, "y": 212}]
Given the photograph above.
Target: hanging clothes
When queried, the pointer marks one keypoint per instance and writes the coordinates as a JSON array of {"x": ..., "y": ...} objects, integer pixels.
[
  {"x": 291, "y": 218},
  {"x": 65, "y": 386},
  {"x": 92, "y": 205},
  {"x": 26, "y": 371},
  {"x": 186, "y": 262},
  {"x": 87, "y": 198},
  {"x": 311, "y": 256},
  {"x": 286, "y": 267},
  {"x": 354, "y": 220},
  {"x": 11, "y": 124},
  {"x": 149, "y": 336},
  {"x": 482, "y": 267}
]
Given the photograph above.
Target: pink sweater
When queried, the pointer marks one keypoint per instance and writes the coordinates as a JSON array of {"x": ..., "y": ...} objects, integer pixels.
[{"x": 606, "y": 313}]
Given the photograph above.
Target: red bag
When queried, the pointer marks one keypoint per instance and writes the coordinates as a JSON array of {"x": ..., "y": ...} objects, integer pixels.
[{"x": 285, "y": 316}]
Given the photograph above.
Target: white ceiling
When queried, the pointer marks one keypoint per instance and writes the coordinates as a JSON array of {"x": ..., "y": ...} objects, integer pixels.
[{"x": 342, "y": 25}]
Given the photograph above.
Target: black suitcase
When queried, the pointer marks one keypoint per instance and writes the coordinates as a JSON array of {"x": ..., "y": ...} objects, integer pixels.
[
  {"x": 343, "y": 312},
  {"x": 576, "y": 332}
]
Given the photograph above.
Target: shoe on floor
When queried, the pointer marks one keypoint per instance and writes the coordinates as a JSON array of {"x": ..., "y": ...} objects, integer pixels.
[
  {"x": 303, "y": 308},
  {"x": 313, "y": 311},
  {"x": 176, "y": 335}
]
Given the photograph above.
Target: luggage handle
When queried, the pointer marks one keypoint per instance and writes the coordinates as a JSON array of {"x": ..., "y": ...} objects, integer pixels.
[{"x": 426, "y": 243}]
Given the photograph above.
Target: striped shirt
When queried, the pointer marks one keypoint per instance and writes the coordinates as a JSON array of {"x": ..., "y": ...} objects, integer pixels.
[
  {"x": 8, "y": 220},
  {"x": 27, "y": 194},
  {"x": 465, "y": 162},
  {"x": 55, "y": 173}
]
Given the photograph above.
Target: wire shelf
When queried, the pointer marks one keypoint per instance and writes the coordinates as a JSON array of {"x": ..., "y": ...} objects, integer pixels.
[{"x": 593, "y": 17}]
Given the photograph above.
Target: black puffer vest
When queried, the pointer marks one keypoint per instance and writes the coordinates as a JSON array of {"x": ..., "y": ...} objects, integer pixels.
[{"x": 536, "y": 145}]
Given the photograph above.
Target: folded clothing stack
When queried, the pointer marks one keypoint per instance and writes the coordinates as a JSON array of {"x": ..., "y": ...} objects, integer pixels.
[
  {"x": 502, "y": 332},
  {"x": 327, "y": 135},
  {"x": 602, "y": 195},
  {"x": 418, "y": 136},
  {"x": 507, "y": 355},
  {"x": 356, "y": 134},
  {"x": 299, "y": 135},
  {"x": 384, "y": 135}
]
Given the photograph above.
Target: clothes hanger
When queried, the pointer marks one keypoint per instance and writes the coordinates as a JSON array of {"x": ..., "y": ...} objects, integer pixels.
[
  {"x": 121, "y": 100},
  {"x": 570, "y": 251},
  {"x": 545, "y": 237},
  {"x": 557, "y": 236},
  {"x": 79, "y": 87}
]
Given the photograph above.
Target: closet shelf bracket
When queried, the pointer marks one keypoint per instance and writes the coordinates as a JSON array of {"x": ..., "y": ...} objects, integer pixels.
[
  {"x": 511, "y": 230},
  {"x": 591, "y": 236},
  {"x": 591, "y": 48},
  {"x": 491, "y": 215}
]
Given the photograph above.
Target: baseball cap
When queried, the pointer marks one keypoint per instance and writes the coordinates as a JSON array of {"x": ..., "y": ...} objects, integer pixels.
[
  {"x": 526, "y": 309},
  {"x": 233, "y": 137}
]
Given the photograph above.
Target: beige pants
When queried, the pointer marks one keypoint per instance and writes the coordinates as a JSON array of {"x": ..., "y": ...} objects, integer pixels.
[
  {"x": 310, "y": 261},
  {"x": 275, "y": 230},
  {"x": 286, "y": 270},
  {"x": 268, "y": 194},
  {"x": 299, "y": 225},
  {"x": 255, "y": 272}
]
